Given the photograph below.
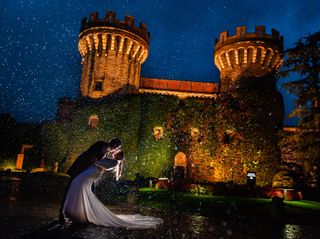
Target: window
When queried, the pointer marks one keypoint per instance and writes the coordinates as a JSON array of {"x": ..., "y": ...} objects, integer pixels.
[
  {"x": 228, "y": 136},
  {"x": 195, "y": 134},
  {"x": 315, "y": 103},
  {"x": 98, "y": 86},
  {"x": 93, "y": 121},
  {"x": 234, "y": 104},
  {"x": 158, "y": 133}
]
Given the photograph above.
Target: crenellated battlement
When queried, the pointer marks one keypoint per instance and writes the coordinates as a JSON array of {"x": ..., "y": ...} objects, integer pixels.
[
  {"x": 102, "y": 36},
  {"x": 242, "y": 35},
  {"x": 110, "y": 20},
  {"x": 247, "y": 55}
]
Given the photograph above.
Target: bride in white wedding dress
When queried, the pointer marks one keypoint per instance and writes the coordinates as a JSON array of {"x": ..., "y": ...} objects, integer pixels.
[{"x": 82, "y": 206}]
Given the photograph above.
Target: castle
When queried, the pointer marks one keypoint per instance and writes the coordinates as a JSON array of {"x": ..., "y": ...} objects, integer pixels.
[{"x": 170, "y": 128}]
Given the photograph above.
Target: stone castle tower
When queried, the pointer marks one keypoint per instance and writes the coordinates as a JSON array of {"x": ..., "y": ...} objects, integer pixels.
[
  {"x": 252, "y": 106},
  {"x": 246, "y": 55},
  {"x": 112, "y": 53}
]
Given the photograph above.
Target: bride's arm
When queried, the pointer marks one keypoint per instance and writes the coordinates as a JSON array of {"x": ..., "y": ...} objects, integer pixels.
[
  {"x": 103, "y": 169},
  {"x": 106, "y": 164},
  {"x": 118, "y": 170}
]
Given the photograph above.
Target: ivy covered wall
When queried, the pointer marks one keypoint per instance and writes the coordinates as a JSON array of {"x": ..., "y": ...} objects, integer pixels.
[
  {"x": 249, "y": 123},
  {"x": 222, "y": 138},
  {"x": 118, "y": 116},
  {"x": 155, "y": 156},
  {"x": 192, "y": 128}
]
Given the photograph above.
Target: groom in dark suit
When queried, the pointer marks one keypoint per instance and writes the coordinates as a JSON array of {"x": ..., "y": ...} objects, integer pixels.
[{"x": 85, "y": 160}]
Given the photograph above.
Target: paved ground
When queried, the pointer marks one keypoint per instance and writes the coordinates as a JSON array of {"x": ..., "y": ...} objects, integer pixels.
[{"x": 37, "y": 218}]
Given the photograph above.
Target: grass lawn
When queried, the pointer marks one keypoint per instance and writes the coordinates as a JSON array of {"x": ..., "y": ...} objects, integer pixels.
[
  {"x": 190, "y": 202},
  {"x": 247, "y": 207},
  {"x": 310, "y": 205}
]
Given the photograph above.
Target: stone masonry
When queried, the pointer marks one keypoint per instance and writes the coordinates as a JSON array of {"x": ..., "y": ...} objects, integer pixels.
[{"x": 112, "y": 53}]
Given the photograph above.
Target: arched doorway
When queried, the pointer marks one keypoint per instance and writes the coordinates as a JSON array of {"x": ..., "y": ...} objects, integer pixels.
[{"x": 180, "y": 166}]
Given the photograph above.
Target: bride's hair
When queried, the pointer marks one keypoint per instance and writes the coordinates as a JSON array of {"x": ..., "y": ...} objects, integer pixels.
[{"x": 119, "y": 155}]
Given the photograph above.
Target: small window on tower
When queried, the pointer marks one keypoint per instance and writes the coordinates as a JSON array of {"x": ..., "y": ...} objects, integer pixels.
[
  {"x": 315, "y": 103},
  {"x": 93, "y": 121},
  {"x": 158, "y": 133},
  {"x": 195, "y": 133},
  {"x": 98, "y": 86},
  {"x": 228, "y": 136}
]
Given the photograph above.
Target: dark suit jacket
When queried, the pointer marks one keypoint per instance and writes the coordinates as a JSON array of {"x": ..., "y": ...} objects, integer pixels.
[{"x": 80, "y": 164}]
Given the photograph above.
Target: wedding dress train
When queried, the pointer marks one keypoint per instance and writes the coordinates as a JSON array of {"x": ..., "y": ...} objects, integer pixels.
[{"x": 82, "y": 205}]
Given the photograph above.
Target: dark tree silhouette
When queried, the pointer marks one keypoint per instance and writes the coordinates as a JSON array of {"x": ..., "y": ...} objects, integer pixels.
[
  {"x": 13, "y": 135},
  {"x": 304, "y": 60},
  {"x": 303, "y": 63}
]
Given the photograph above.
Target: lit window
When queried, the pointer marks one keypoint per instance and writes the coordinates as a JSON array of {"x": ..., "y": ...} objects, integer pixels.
[
  {"x": 158, "y": 133},
  {"x": 93, "y": 121},
  {"x": 195, "y": 134}
]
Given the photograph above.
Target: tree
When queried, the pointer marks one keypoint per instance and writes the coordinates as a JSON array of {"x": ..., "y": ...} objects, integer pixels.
[
  {"x": 14, "y": 134},
  {"x": 303, "y": 62}
]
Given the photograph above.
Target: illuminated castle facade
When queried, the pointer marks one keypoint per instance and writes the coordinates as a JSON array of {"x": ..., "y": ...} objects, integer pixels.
[{"x": 195, "y": 130}]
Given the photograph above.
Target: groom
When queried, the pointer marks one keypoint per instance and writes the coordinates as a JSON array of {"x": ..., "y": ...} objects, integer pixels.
[{"x": 82, "y": 163}]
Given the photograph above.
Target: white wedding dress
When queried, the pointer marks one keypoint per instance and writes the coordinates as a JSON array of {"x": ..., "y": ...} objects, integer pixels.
[{"x": 82, "y": 205}]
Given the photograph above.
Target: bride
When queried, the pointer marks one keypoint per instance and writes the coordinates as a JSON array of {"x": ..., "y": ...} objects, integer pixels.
[{"x": 82, "y": 206}]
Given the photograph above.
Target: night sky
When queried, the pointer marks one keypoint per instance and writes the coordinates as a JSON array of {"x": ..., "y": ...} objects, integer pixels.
[{"x": 40, "y": 61}]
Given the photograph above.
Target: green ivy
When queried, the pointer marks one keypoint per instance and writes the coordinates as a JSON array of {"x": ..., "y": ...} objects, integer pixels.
[{"x": 250, "y": 116}]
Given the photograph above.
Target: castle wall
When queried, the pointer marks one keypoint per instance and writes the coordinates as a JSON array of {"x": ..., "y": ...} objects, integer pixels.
[
  {"x": 196, "y": 127},
  {"x": 156, "y": 151},
  {"x": 185, "y": 125}
]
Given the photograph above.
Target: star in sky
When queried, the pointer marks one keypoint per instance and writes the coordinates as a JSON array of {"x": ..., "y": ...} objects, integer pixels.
[{"x": 39, "y": 54}]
